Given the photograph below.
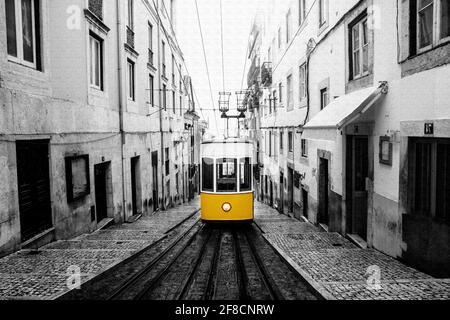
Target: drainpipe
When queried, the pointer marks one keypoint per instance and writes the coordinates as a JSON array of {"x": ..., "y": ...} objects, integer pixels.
[
  {"x": 161, "y": 109},
  {"x": 121, "y": 102}
]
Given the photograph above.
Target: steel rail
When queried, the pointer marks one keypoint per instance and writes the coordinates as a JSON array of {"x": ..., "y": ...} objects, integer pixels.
[
  {"x": 149, "y": 285},
  {"x": 188, "y": 282},
  {"x": 129, "y": 282}
]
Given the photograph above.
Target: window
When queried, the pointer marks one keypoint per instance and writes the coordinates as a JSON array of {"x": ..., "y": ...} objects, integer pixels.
[
  {"x": 164, "y": 93},
  {"x": 290, "y": 92},
  {"x": 163, "y": 56},
  {"x": 23, "y": 32},
  {"x": 167, "y": 161},
  {"x": 279, "y": 38},
  {"x": 359, "y": 49},
  {"x": 269, "y": 55},
  {"x": 130, "y": 22},
  {"x": 302, "y": 82},
  {"x": 208, "y": 174},
  {"x": 270, "y": 144},
  {"x": 280, "y": 90},
  {"x": 131, "y": 81},
  {"x": 281, "y": 141},
  {"x": 432, "y": 22},
  {"x": 181, "y": 105},
  {"x": 301, "y": 11},
  {"x": 245, "y": 180},
  {"x": 174, "y": 103},
  {"x": 274, "y": 98},
  {"x": 150, "y": 44},
  {"x": 444, "y": 18},
  {"x": 430, "y": 178},
  {"x": 324, "y": 99},
  {"x": 181, "y": 78},
  {"x": 323, "y": 14},
  {"x": 291, "y": 142},
  {"x": 96, "y": 62},
  {"x": 226, "y": 175},
  {"x": 304, "y": 148},
  {"x": 173, "y": 70},
  {"x": 288, "y": 26},
  {"x": 151, "y": 90}
]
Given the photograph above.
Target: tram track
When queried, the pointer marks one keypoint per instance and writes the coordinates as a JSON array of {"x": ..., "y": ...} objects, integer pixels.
[{"x": 207, "y": 262}]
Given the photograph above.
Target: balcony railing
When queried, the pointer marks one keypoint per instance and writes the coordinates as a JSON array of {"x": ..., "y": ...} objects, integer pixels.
[
  {"x": 163, "y": 70},
  {"x": 130, "y": 37},
  {"x": 253, "y": 73},
  {"x": 266, "y": 74},
  {"x": 96, "y": 7},
  {"x": 150, "y": 57}
]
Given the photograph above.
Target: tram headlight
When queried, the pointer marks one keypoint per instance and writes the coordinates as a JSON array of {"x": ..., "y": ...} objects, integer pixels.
[{"x": 226, "y": 207}]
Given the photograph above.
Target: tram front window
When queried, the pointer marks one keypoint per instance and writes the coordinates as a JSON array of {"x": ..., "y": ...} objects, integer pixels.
[
  {"x": 226, "y": 175},
  {"x": 208, "y": 174},
  {"x": 245, "y": 180}
]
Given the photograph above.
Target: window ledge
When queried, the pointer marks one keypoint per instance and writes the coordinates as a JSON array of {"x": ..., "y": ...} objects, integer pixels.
[
  {"x": 96, "y": 21},
  {"x": 151, "y": 67},
  {"x": 131, "y": 50},
  {"x": 430, "y": 59}
]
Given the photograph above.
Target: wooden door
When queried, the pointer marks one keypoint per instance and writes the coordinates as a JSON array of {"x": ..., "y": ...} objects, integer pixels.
[
  {"x": 359, "y": 193},
  {"x": 324, "y": 188},
  {"x": 34, "y": 187}
]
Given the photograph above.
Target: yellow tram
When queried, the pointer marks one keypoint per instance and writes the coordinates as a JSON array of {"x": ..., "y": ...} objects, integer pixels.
[{"x": 226, "y": 181}]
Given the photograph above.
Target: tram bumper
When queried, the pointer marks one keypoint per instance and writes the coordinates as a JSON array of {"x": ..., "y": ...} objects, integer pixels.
[{"x": 227, "y": 207}]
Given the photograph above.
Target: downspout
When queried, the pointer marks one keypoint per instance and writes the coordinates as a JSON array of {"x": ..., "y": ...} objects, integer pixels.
[
  {"x": 161, "y": 110},
  {"x": 121, "y": 103},
  {"x": 311, "y": 46}
]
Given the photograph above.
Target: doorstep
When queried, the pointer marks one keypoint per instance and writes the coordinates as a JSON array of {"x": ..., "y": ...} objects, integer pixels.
[
  {"x": 357, "y": 240},
  {"x": 40, "y": 240},
  {"x": 105, "y": 223}
]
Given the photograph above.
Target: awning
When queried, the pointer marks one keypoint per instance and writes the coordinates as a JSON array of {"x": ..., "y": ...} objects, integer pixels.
[
  {"x": 341, "y": 112},
  {"x": 285, "y": 119}
]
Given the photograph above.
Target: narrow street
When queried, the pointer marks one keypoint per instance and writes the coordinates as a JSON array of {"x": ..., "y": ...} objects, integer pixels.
[
  {"x": 276, "y": 258},
  {"x": 200, "y": 151}
]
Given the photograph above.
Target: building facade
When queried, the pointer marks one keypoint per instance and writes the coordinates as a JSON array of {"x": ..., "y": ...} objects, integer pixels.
[
  {"x": 352, "y": 121},
  {"x": 97, "y": 122}
]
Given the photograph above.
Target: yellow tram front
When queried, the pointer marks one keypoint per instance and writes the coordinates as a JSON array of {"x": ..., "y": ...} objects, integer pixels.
[{"x": 226, "y": 181}]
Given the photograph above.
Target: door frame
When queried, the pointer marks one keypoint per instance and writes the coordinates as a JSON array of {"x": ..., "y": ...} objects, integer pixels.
[
  {"x": 43, "y": 141},
  {"x": 155, "y": 184},
  {"x": 136, "y": 186},
  {"x": 349, "y": 182},
  {"x": 106, "y": 167},
  {"x": 323, "y": 155}
]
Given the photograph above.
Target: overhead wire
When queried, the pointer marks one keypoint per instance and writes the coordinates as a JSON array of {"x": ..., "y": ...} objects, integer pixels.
[
  {"x": 206, "y": 64},
  {"x": 178, "y": 48},
  {"x": 221, "y": 36}
]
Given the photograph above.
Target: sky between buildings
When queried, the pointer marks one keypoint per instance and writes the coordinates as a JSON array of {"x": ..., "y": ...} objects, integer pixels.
[{"x": 237, "y": 21}]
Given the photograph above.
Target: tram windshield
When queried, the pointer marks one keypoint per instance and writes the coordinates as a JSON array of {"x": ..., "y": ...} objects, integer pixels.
[
  {"x": 226, "y": 175},
  {"x": 208, "y": 174}
]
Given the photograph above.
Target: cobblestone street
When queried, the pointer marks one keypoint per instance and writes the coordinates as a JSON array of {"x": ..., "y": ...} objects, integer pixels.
[
  {"x": 338, "y": 269},
  {"x": 43, "y": 274}
]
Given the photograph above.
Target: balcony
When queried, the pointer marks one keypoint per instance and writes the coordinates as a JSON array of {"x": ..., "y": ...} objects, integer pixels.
[{"x": 266, "y": 74}]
